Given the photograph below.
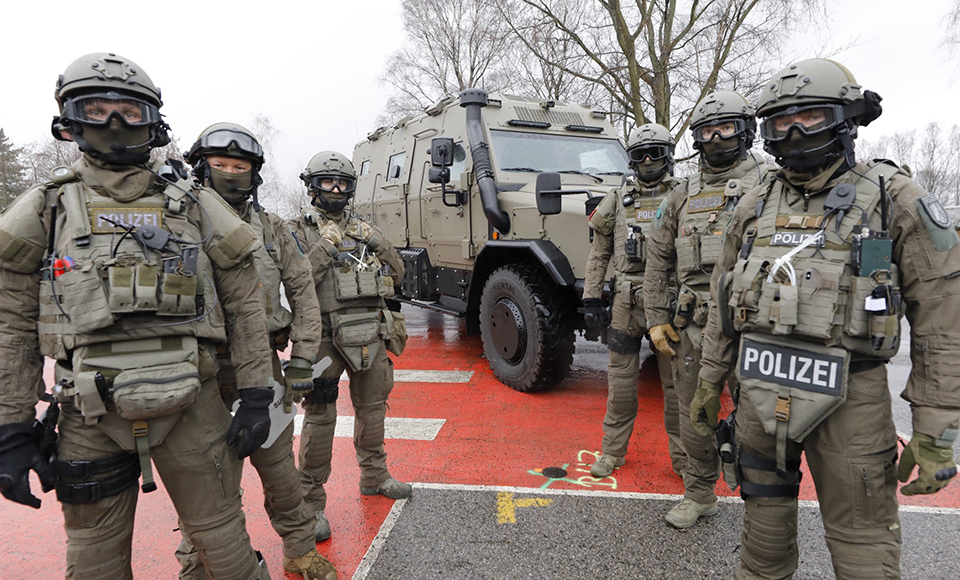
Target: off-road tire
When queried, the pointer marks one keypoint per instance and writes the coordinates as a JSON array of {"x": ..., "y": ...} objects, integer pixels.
[{"x": 526, "y": 325}]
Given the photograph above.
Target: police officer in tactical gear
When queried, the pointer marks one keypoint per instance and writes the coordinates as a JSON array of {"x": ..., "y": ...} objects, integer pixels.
[
  {"x": 129, "y": 275},
  {"x": 819, "y": 264},
  {"x": 227, "y": 158},
  {"x": 620, "y": 226},
  {"x": 685, "y": 243},
  {"x": 355, "y": 269}
]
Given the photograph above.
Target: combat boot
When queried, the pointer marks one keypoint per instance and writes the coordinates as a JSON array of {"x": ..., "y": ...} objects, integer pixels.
[
  {"x": 604, "y": 466},
  {"x": 687, "y": 512},
  {"x": 312, "y": 566},
  {"x": 391, "y": 488},
  {"x": 323, "y": 527}
]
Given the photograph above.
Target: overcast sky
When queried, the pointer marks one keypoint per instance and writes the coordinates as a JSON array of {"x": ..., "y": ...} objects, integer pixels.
[{"x": 313, "y": 68}]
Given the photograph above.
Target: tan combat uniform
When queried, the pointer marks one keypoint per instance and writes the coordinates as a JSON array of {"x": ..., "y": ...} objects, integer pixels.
[
  {"x": 811, "y": 356},
  {"x": 357, "y": 332},
  {"x": 620, "y": 230},
  {"x": 685, "y": 242},
  {"x": 279, "y": 260},
  {"x": 140, "y": 325}
]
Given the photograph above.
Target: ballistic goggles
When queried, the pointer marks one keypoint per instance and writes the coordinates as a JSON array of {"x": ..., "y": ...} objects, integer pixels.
[
  {"x": 654, "y": 152},
  {"x": 809, "y": 120},
  {"x": 223, "y": 138},
  {"x": 100, "y": 108},
  {"x": 327, "y": 183},
  {"x": 724, "y": 129}
]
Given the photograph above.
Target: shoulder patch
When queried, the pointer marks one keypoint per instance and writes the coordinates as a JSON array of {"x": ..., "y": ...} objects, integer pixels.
[
  {"x": 658, "y": 217},
  {"x": 937, "y": 222}
]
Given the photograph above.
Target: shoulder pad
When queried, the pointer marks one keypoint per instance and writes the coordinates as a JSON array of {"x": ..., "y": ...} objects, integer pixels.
[
  {"x": 603, "y": 218},
  {"x": 22, "y": 237},
  {"x": 231, "y": 249},
  {"x": 904, "y": 170}
]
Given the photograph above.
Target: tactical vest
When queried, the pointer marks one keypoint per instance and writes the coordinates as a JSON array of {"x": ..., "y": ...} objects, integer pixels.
[
  {"x": 109, "y": 287},
  {"x": 639, "y": 207},
  {"x": 825, "y": 302},
  {"x": 702, "y": 218},
  {"x": 356, "y": 282},
  {"x": 269, "y": 268}
]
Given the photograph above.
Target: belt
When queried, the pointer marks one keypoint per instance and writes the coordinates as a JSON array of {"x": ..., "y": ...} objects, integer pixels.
[{"x": 861, "y": 366}]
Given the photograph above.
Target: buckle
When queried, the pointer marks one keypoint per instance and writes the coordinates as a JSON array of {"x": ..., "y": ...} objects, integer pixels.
[
  {"x": 140, "y": 429},
  {"x": 783, "y": 408},
  {"x": 742, "y": 314},
  {"x": 85, "y": 492}
]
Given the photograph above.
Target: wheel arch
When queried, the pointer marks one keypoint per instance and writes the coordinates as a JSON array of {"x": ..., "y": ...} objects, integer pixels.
[{"x": 495, "y": 254}]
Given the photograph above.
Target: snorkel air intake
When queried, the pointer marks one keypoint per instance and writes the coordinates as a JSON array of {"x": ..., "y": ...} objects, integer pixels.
[{"x": 473, "y": 100}]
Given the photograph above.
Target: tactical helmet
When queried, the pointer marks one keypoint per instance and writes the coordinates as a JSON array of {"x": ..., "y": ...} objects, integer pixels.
[
  {"x": 654, "y": 142},
  {"x": 811, "y": 111},
  {"x": 228, "y": 140},
  {"x": 723, "y": 127},
  {"x": 106, "y": 78},
  {"x": 331, "y": 180}
]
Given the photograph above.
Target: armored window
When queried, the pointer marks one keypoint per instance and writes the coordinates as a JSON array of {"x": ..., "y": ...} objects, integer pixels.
[
  {"x": 395, "y": 165},
  {"x": 365, "y": 167}
]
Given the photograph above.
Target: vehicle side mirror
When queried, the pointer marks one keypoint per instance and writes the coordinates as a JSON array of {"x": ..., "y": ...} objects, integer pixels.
[
  {"x": 548, "y": 193},
  {"x": 441, "y": 152},
  {"x": 438, "y": 175}
]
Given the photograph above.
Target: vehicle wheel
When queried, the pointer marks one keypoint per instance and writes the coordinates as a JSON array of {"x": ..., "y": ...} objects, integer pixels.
[{"x": 526, "y": 324}]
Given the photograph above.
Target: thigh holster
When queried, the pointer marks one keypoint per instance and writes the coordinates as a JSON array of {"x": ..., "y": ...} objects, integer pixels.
[
  {"x": 89, "y": 489},
  {"x": 785, "y": 489},
  {"x": 324, "y": 391},
  {"x": 623, "y": 343}
]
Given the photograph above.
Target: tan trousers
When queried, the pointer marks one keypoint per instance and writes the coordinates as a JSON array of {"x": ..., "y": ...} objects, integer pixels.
[
  {"x": 201, "y": 475},
  {"x": 852, "y": 457},
  {"x": 368, "y": 393},
  {"x": 703, "y": 459}
]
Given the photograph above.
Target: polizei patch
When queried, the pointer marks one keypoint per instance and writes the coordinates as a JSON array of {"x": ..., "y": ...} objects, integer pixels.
[
  {"x": 801, "y": 369},
  {"x": 118, "y": 219},
  {"x": 706, "y": 202},
  {"x": 794, "y": 239}
]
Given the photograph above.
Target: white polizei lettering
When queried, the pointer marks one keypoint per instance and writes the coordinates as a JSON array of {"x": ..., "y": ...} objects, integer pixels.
[
  {"x": 766, "y": 363},
  {"x": 820, "y": 369},
  {"x": 776, "y": 367},
  {"x": 805, "y": 366},
  {"x": 833, "y": 375},
  {"x": 138, "y": 219},
  {"x": 793, "y": 367},
  {"x": 750, "y": 355}
]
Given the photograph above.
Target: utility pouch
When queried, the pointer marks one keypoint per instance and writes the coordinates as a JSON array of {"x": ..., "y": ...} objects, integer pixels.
[
  {"x": 357, "y": 337},
  {"x": 385, "y": 286},
  {"x": 367, "y": 283},
  {"x": 779, "y": 304},
  {"x": 145, "y": 288},
  {"x": 145, "y": 393},
  {"x": 711, "y": 246},
  {"x": 686, "y": 305},
  {"x": 178, "y": 296},
  {"x": 345, "y": 283},
  {"x": 688, "y": 253},
  {"x": 397, "y": 331},
  {"x": 121, "y": 288},
  {"x": 793, "y": 386},
  {"x": 84, "y": 299}
]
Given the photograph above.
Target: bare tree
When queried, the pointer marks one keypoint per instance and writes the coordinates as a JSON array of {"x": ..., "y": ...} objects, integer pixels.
[
  {"x": 281, "y": 196},
  {"x": 655, "y": 59},
  {"x": 42, "y": 156},
  {"x": 951, "y": 24},
  {"x": 451, "y": 45}
]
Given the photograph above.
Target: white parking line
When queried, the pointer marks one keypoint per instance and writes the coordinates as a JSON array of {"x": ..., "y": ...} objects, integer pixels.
[
  {"x": 377, "y": 544},
  {"x": 394, "y": 427}
]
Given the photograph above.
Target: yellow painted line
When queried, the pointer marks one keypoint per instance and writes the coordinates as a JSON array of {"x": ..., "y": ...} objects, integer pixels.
[{"x": 507, "y": 506}]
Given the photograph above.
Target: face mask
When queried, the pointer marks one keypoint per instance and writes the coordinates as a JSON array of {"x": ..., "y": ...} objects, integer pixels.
[
  {"x": 720, "y": 152},
  {"x": 805, "y": 151},
  {"x": 649, "y": 171},
  {"x": 332, "y": 201},
  {"x": 233, "y": 187},
  {"x": 115, "y": 137}
]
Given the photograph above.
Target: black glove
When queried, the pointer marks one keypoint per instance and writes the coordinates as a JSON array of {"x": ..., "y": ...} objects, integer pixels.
[
  {"x": 393, "y": 305},
  {"x": 19, "y": 453},
  {"x": 251, "y": 422},
  {"x": 592, "y": 313}
]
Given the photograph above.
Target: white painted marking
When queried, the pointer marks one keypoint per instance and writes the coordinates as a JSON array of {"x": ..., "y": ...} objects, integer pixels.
[
  {"x": 419, "y": 376},
  {"x": 370, "y": 558},
  {"x": 642, "y": 496},
  {"x": 394, "y": 427}
]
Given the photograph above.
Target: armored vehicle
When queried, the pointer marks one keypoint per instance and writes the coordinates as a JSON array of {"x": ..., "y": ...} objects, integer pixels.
[{"x": 486, "y": 196}]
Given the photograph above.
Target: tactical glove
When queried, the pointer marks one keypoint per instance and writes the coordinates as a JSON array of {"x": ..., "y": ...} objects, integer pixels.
[
  {"x": 19, "y": 453},
  {"x": 298, "y": 377},
  {"x": 251, "y": 422},
  {"x": 936, "y": 464},
  {"x": 331, "y": 235},
  {"x": 364, "y": 232},
  {"x": 592, "y": 313},
  {"x": 705, "y": 408},
  {"x": 659, "y": 335}
]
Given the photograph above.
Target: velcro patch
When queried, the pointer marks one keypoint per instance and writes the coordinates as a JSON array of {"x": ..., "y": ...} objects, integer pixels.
[
  {"x": 706, "y": 202},
  {"x": 935, "y": 210},
  {"x": 111, "y": 219},
  {"x": 800, "y": 369},
  {"x": 794, "y": 239},
  {"x": 647, "y": 210}
]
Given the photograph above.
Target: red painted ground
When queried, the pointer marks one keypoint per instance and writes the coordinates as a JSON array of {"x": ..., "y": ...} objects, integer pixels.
[{"x": 492, "y": 436}]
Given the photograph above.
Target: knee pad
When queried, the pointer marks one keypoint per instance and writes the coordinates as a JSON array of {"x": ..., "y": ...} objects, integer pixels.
[
  {"x": 226, "y": 552},
  {"x": 101, "y": 566}
]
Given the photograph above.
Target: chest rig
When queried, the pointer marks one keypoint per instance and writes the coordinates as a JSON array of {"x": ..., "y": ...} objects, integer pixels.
[
  {"x": 267, "y": 260},
  {"x": 351, "y": 294},
  {"x": 808, "y": 303},
  {"x": 639, "y": 209}
]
